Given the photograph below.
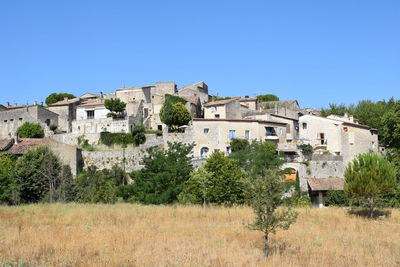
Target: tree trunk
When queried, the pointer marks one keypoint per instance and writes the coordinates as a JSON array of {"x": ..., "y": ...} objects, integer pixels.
[
  {"x": 266, "y": 244},
  {"x": 371, "y": 207}
]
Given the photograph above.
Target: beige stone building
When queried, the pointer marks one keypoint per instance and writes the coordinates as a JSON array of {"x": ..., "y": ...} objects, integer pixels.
[
  {"x": 215, "y": 134},
  {"x": 225, "y": 109},
  {"x": 338, "y": 135}
]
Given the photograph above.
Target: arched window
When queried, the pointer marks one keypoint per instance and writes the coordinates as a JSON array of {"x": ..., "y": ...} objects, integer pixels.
[{"x": 204, "y": 152}]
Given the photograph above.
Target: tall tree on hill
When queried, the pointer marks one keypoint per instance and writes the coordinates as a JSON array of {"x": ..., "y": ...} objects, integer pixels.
[
  {"x": 267, "y": 98},
  {"x": 174, "y": 113},
  {"x": 55, "y": 97}
]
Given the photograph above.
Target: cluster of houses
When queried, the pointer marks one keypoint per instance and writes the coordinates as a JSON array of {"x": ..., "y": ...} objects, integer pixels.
[{"x": 335, "y": 140}]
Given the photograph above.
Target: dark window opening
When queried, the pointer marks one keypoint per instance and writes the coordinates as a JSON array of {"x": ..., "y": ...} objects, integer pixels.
[{"x": 90, "y": 114}]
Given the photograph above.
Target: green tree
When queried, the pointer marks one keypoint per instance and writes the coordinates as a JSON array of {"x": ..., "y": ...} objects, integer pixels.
[
  {"x": 164, "y": 174},
  {"x": 257, "y": 157},
  {"x": 227, "y": 180},
  {"x": 7, "y": 164},
  {"x": 237, "y": 144},
  {"x": 367, "y": 177},
  {"x": 30, "y": 130},
  {"x": 265, "y": 196},
  {"x": 55, "y": 97},
  {"x": 96, "y": 186},
  {"x": 116, "y": 106},
  {"x": 37, "y": 176},
  {"x": 173, "y": 112},
  {"x": 196, "y": 189},
  {"x": 138, "y": 134},
  {"x": 267, "y": 98},
  {"x": 391, "y": 127},
  {"x": 339, "y": 110}
]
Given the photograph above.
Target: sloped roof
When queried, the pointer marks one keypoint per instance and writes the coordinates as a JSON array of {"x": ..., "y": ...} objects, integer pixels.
[
  {"x": 24, "y": 144},
  {"x": 65, "y": 102},
  {"x": 324, "y": 184},
  {"x": 283, "y": 103},
  {"x": 6, "y": 143},
  {"x": 219, "y": 103},
  {"x": 88, "y": 95},
  {"x": 94, "y": 102}
]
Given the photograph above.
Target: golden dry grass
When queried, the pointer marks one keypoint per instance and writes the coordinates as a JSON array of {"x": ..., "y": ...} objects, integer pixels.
[{"x": 135, "y": 235}]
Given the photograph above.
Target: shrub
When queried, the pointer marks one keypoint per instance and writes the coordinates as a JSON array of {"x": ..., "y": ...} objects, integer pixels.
[
  {"x": 30, "y": 130},
  {"x": 306, "y": 149},
  {"x": 110, "y": 139},
  {"x": 266, "y": 98},
  {"x": 237, "y": 144},
  {"x": 138, "y": 135},
  {"x": 116, "y": 106},
  {"x": 336, "y": 198},
  {"x": 157, "y": 132}
]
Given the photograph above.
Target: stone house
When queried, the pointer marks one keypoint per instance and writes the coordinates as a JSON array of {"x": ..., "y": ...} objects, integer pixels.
[
  {"x": 338, "y": 135},
  {"x": 66, "y": 110},
  {"x": 215, "y": 134},
  {"x": 225, "y": 109},
  {"x": 318, "y": 187},
  {"x": 13, "y": 117}
]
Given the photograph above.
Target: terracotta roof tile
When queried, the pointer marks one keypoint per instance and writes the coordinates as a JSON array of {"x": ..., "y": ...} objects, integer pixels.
[
  {"x": 219, "y": 103},
  {"x": 324, "y": 184},
  {"x": 6, "y": 143},
  {"x": 66, "y": 102},
  {"x": 92, "y": 103},
  {"x": 24, "y": 144}
]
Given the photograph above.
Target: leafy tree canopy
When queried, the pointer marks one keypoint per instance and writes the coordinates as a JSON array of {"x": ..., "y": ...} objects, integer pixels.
[
  {"x": 173, "y": 112},
  {"x": 7, "y": 164},
  {"x": 164, "y": 174},
  {"x": 116, "y": 106},
  {"x": 226, "y": 182},
  {"x": 55, "y": 97},
  {"x": 257, "y": 157},
  {"x": 237, "y": 144},
  {"x": 267, "y": 98},
  {"x": 368, "y": 176},
  {"x": 391, "y": 127},
  {"x": 30, "y": 130}
]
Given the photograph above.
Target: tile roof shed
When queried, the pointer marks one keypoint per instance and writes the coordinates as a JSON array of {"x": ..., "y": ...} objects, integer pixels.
[{"x": 325, "y": 184}]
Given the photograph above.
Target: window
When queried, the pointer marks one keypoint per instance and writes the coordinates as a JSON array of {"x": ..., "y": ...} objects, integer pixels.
[
  {"x": 204, "y": 152},
  {"x": 206, "y": 130},
  {"x": 304, "y": 126},
  {"x": 247, "y": 134},
  {"x": 216, "y": 116},
  {"x": 159, "y": 127},
  {"x": 232, "y": 134},
  {"x": 270, "y": 131},
  {"x": 5, "y": 120},
  {"x": 47, "y": 121},
  {"x": 11, "y": 120},
  {"x": 90, "y": 114},
  {"x": 228, "y": 150},
  {"x": 321, "y": 138}
]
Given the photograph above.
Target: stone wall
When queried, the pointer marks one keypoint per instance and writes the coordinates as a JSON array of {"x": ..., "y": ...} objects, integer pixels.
[
  {"x": 321, "y": 166},
  {"x": 68, "y": 154}
]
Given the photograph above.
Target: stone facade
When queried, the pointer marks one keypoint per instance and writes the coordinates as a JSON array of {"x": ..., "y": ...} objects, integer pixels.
[{"x": 12, "y": 118}]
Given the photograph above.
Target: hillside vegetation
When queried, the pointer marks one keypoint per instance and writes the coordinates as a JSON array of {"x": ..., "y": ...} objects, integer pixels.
[{"x": 137, "y": 235}]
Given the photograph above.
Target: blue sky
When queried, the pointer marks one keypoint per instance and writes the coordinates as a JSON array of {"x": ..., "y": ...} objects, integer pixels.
[{"x": 317, "y": 52}]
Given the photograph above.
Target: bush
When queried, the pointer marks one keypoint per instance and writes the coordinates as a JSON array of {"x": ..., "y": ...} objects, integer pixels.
[
  {"x": 110, "y": 139},
  {"x": 95, "y": 186},
  {"x": 306, "y": 149},
  {"x": 30, "y": 130},
  {"x": 266, "y": 98},
  {"x": 336, "y": 198},
  {"x": 237, "y": 144},
  {"x": 138, "y": 135}
]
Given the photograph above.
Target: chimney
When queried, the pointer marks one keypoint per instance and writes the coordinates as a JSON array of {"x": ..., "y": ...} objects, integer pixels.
[
  {"x": 16, "y": 139},
  {"x": 65, "y": 98},
  {"x": 41, "y": 103},
  {"x": 8, "y": 104},
  {"x": 35, "y": 103},
  {"x": 101, "y": 95},
  {"x": 351, "y": 119}
]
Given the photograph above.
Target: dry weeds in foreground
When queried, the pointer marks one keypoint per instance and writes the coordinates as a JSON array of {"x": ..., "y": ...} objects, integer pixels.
[{"x": 134, "y": 235}]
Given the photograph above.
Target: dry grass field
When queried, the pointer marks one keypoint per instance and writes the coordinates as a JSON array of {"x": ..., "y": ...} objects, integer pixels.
[{"x": 135, "y": 235}]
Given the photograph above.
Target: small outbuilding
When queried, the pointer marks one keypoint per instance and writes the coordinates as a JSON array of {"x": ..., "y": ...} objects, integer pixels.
[{"x": 318, "y": 187}]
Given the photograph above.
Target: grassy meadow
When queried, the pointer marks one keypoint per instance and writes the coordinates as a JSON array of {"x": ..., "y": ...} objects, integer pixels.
[{"x": 136, "y": 235}]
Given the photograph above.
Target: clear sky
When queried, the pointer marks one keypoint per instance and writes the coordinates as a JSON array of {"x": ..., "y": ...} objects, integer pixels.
[{"x": 317, "y": 52}]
